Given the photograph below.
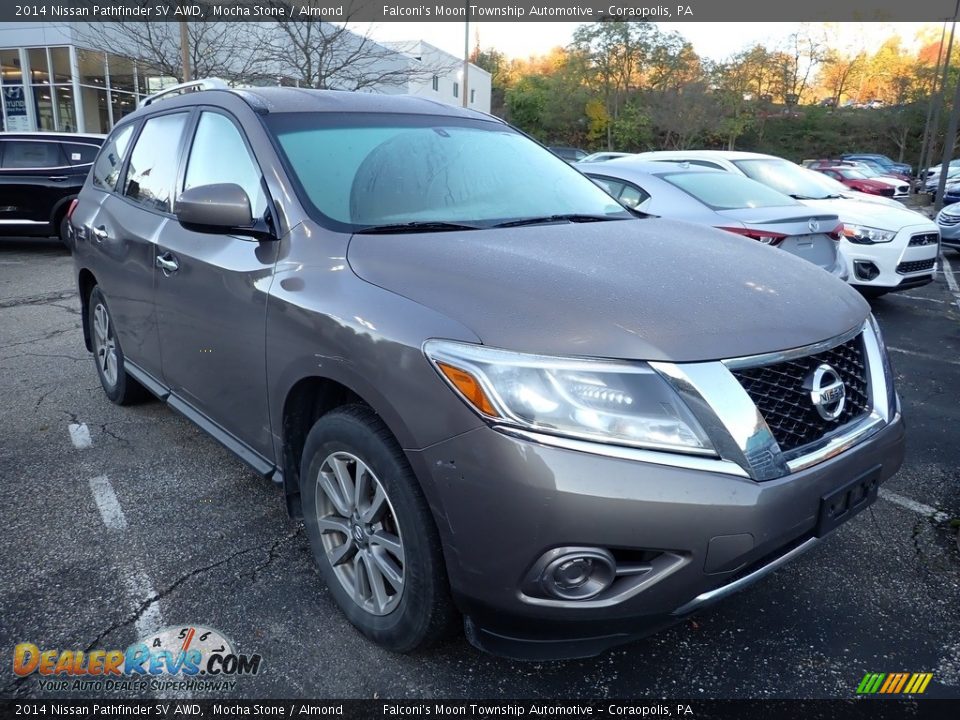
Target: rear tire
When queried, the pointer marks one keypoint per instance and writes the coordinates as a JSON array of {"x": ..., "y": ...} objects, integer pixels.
[
  {"x": 118, "y": 386},
  {"x": 372, "y": 534}
]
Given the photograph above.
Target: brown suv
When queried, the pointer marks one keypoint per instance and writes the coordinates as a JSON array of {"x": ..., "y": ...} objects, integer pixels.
[{"x": 491, "y": 391}]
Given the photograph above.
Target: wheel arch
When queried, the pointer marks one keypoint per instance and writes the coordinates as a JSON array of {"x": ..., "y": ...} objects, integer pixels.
[{"x": 307, "y": 400}]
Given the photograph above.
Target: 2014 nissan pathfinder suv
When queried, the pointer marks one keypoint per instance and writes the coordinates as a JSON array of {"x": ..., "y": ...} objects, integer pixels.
[{"x": 493, "y": 393}]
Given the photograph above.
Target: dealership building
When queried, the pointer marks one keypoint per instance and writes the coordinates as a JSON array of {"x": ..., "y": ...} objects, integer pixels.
[{"x": 52, "y": 80}]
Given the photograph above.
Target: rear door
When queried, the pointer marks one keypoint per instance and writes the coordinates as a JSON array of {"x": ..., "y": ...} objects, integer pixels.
[
  {"x": 212, "y": 295},
  {"x": 126, "y": 226}
]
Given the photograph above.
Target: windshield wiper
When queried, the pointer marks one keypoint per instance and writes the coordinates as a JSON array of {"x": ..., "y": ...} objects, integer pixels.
[
  {"x": 570, "y": 217},
  {"x": 415, "y": 227}
]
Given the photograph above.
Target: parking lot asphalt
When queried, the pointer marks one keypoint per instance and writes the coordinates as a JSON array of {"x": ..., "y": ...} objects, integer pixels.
[{"x": 149, "y": 523}]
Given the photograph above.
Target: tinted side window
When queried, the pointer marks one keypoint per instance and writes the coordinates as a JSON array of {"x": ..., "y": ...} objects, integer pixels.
[
  {"x": 152, "y": 172},
  {"x": 632, "y": 196},
  {"x": 219, "y": 155},
  {"x": 611, "y": 186},
  {"x": 107, "y": 168},
  {"x": 30, "y": 154},
  {"x": 79, "y": 154}
]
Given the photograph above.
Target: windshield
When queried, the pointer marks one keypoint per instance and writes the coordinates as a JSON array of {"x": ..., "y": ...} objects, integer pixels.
[
  {"x": 367, "y": 170},
  {"x": 726, "y": 191},
  {"x": 786, "y": 177}
]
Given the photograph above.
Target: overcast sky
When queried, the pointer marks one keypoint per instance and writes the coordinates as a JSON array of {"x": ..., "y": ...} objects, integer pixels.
[{"x": 716, "y": 41}]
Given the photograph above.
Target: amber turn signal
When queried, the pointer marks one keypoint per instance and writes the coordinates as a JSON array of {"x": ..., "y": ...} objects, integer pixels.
[{"x": 469, "y": 387}]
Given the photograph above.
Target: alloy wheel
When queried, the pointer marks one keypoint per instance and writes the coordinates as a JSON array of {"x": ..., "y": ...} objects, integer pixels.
[
  {"x": 104, "y": 344},
  {"x": 360, "y": 533}
]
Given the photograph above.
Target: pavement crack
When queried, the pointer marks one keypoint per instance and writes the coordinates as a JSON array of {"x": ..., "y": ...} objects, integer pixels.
[
  {"x": 44, "y": 355},
  {"x": 46, "y": 298},
  {"x": 123, "y": 441},
  {"x": 176, "y": 584},
  {"x": 273, "y": 550}
]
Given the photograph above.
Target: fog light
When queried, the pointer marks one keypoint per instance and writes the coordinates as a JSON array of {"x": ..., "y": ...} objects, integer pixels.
[
  {"x": 578, "y": 574},
  {"x": 865, "y": 270}
]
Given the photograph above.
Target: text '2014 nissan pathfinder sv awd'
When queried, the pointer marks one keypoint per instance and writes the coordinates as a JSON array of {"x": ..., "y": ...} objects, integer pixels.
[{"x": 491, "y": 391}]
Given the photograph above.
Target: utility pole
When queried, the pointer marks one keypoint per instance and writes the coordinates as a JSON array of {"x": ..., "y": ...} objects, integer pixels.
[
  {"x": 466, "y": 54},
  {"x": 938, "y": 100},
  {"x": 949, "y": 141},
  {"x": 933, "y": 94},
  {"x": 185, "y": 51}
]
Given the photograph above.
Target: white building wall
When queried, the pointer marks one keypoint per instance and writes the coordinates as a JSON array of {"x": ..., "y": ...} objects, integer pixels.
[{"x": 449, "y": 72}]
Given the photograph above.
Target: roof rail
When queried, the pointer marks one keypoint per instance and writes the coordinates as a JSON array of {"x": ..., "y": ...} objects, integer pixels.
[{"x": 187, "y": 87}]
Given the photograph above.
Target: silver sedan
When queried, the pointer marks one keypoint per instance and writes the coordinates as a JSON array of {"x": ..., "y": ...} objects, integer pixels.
[{"x": 739, "y": 205}]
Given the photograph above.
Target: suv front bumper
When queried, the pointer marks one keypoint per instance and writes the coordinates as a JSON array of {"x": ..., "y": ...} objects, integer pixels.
[{"x": 501, "y": 502}]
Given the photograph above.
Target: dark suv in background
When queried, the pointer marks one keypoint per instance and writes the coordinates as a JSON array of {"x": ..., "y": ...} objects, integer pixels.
[
  {"x": 40, "y": 175},
  {"x": 491, "y": 391}
]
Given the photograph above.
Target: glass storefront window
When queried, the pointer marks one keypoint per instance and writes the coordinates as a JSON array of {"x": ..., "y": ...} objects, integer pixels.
[
  {"x": 60, "y": 59},
  {"x": 10, "y": 67},
  {"x": 39, "y": 71},
  {"x": 91, "y": 65},
  {"x": 123, "y": 104},
  {"x": 66, "y": 108},
  {"x": 43, "y": 104},
  {"x": 94, "y": 103},
  {"x": 121, "y": 73}
]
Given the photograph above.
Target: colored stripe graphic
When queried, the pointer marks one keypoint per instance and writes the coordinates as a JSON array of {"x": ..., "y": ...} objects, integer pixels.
[{"x": 894, "y": 683}]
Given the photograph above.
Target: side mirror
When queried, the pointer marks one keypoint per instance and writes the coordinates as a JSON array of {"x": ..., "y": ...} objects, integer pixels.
[{"x": 219, "y": 208}]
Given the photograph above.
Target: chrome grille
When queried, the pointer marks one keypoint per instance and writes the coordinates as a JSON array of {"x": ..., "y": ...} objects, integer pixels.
[
  {"x": 777, "y": 391},
  {"x": 916, "y": 266}
]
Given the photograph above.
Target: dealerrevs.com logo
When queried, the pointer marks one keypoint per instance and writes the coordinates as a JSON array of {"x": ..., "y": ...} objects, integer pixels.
[{"x": 175, "y": 658}]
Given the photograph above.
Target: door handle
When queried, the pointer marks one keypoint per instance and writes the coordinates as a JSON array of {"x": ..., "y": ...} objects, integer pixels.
[
  {"x": 168, "y": 263},
  {"x": 58, "y": 178},
  {"x": 100, "y": 233}
]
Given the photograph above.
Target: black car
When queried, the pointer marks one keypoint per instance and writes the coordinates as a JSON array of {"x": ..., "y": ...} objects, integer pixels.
[{"x": 40, "y": 174}]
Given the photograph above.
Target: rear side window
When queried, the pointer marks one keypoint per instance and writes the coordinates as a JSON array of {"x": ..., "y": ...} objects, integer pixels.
[
  {"x": 152, "y": 172},
  {"x": 106, "y": 171},
  {"x": 219, "y": 155},
  {"x": 79, "y": 153},
  {"x": 31, "y": 155}
]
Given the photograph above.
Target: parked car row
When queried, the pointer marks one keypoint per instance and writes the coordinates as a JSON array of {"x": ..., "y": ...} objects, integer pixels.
[
  {"x": 886, "y": 246},
  {"x": 496, "y": 395}
]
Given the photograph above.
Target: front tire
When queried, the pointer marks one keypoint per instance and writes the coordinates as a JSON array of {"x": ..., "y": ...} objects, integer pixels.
[
  {"x": 118, "y": 386},
  {"x": 372, "y": 533}
]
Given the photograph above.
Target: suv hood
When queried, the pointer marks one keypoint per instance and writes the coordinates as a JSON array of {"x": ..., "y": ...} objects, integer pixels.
[{"x": 633, "y": 289}]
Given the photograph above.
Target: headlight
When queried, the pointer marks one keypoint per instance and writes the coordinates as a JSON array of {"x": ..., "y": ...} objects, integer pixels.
[
  {"x": 599, "y": 400},
  {"x": 893, "y": 401},
  {"x": 863, "y": 235}
]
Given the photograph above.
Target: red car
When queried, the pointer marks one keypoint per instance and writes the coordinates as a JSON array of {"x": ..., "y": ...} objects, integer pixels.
[{"x": 855, "y": 180}]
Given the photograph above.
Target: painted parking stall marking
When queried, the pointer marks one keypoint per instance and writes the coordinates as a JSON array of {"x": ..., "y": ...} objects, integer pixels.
[
  {"x": 80, "y": 435},
  {"x": 107, "y": 503}
]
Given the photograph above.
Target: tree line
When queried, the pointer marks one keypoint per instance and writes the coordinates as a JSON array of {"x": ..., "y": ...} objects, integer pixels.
[{"x": 630, "y": 86}]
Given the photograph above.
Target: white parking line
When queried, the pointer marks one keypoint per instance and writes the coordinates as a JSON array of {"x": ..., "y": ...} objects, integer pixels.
[
  {"x": 80, "y": 436},
  {"x": 135, "y": 581},
  {"x": 922, "y": 299},
  {"x": 951, "y": 280},
  {"x": 924, "y": 356},
  {"x": 140, "y": 590},
  {"x": 917, "y": 507},
  {"x": 107, "y": 503}
]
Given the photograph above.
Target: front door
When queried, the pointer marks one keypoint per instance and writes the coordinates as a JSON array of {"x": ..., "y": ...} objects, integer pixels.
[{"x": 211, "y": 295}]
